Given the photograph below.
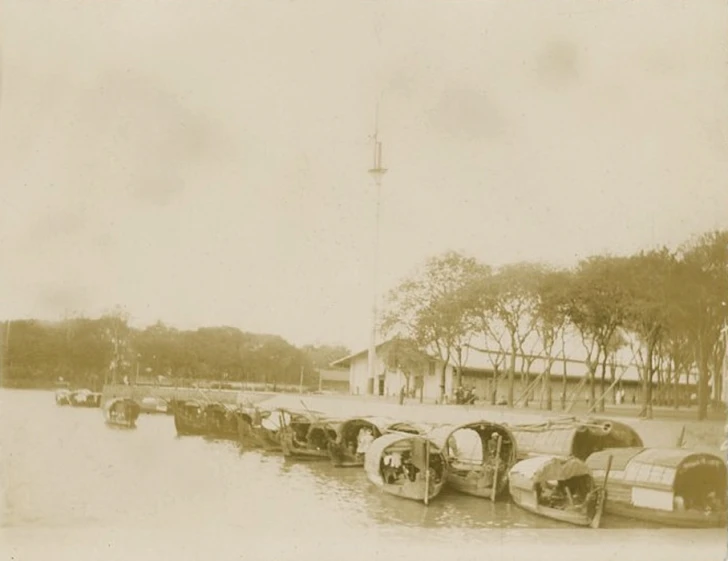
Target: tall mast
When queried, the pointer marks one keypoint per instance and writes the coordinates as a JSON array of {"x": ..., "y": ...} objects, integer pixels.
[{"x": 377, "y": 171}]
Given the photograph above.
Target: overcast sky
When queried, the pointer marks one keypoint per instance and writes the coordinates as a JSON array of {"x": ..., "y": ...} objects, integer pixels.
[{"x": 204, "y": 162}]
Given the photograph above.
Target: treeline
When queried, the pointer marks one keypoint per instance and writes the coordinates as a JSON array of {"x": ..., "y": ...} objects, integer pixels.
[
  {"x": 90, "y": 352},
  {"x": 669, "y": 308}
]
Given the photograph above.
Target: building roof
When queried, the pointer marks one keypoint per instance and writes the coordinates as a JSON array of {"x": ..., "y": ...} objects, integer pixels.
[
  {"x": 571, "y": 362},
  {"x": 334, "y": 374}
]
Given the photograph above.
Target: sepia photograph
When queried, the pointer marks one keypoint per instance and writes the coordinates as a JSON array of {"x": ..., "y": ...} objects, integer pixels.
[{"x": 291, "y": 280}]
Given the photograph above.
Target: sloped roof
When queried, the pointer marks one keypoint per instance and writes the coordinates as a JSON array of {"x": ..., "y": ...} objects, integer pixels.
[{"x": 477, "y": 358}]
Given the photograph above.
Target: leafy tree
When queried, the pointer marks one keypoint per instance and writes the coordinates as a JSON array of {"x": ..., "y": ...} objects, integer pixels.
[
  {"x": 551, "y": 319},
  {"x": 703, "y": 274},
  {"x": 514, "y": 302},
  {"x": 405, "y": 355},
  {"x": 597, "y": 308},
  {"x": 648, "y": 280},
  {"x": 431, "y": 308}
]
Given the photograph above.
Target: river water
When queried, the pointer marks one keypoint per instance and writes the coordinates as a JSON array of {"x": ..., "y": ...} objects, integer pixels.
[{"x": 72, "y": 483}]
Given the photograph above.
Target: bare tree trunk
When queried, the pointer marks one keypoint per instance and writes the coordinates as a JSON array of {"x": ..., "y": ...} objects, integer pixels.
[
  {"x": 704, "y": 377},
  {"x": 443, "y": 378},
  {"x": 512, "y": 371},
  {"x": 494, "y": 392},
  {"x": 675, "y": 385},
  {"x": 601, "y": 388}
]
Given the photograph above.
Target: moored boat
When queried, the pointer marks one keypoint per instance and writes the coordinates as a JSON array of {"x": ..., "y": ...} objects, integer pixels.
[
  {"x": 85, "y": 398},
  {"x": 153, "y": 405},
  {"x": 63, "y": 397},
  {"x": 406, "y": 465},
  {"x": 354, "y": 437},
  {"x": 222, "y": 420},
  {"x": 479, "y": 455},
  {"x": 670, "y": 486},
  {"x": 567, "y": 437},
  {"x": 122, "y": 412},
  {"x": 306, "y": 434},
  {"x": 258, "y": 428},
  {"x": 189, "y": 418},
  {"x": 559, "y": 488}
]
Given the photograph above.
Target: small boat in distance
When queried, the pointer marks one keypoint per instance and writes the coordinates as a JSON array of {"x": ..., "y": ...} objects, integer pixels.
[
  {"x": 153, "y": 405},
  {"x": 406, "y": 465},
  {"x": 122, "y": 412},
  {"x": 85, "y": 398},
  {"x": 354, "y": 437},
  {"x": 559, "y": 488},
  {"x": 567, "y": 437},
  {"x": 479, "y": 455},
  {"x": 670, "y": 486},
  {"x": 63, "y": 396}
]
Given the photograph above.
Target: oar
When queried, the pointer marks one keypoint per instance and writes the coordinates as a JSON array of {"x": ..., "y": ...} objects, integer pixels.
[
  {"x": 602, "y": 499},
  {"x": 495, "y": 468}
]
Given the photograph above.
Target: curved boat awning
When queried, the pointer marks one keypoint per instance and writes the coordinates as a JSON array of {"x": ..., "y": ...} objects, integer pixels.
[
  {"x": 391, "y": 442},
  {"x": 653, "y": 467},
  {"x": 411, "y": 428},
  {"x": 527, "y": 473},
  {"x": 442, "y": 433}
]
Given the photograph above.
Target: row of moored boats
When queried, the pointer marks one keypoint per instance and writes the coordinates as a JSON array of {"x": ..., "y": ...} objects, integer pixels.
[{"x": 571, "y": 470}]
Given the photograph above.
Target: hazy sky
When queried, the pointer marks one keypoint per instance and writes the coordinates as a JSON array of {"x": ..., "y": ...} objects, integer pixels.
[{"x": 204, "y": 162}]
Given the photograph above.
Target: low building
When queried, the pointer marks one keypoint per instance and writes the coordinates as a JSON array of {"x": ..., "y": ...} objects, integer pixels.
[
  {"x": 486, "y": 372},
  {"x": 334, "y": 380}
]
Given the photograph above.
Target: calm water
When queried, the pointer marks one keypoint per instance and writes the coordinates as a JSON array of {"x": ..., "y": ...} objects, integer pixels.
[{"x": 63, "y": 468}]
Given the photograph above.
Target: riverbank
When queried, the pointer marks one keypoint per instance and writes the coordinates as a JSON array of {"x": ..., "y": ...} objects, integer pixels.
[
  {"x": 664, "y": 430},
  {"x": 661, "y": 431}
]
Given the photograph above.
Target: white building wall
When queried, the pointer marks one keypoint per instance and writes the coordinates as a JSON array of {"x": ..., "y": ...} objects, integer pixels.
[{"x": 394, "y": 380}]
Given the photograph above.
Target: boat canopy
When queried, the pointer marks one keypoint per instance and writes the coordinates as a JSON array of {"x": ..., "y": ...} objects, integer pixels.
[
  {"x": 116, "y": 401},
  {"x": 574, "y": 437},
  {"x": 411, "y": 428},
  {"x": 442, "y": 433},
  {"x": 659, "y": 468},
  {"x": 539, "y": 469},
  {"x": 382, "y": 424},
  {"x": 388, "y": 443}
]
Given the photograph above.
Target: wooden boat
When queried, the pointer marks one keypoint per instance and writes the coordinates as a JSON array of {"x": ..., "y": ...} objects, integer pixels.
[
  {"x": 479, "y": 455},
  {"x": 354, "y": 437},
  {"x": 122, "y": 412},
  {"x": 411, "y": 428},
  {"x": 258, "y": 428},
  {"x": 306, "y": 434},
  {"x": 567, "y": 437},
  {"x": 85, "y": 398},
  {"x": 189, "y": 418},
  {"x": 222, "y": 420},
  {"x": 559, "y": 488},
  {"x": 672, "y": 486},
  {"x": 63, "y": 397},
  {"x": 153, "y": 405},
  {"x": 406, "y": 465}
]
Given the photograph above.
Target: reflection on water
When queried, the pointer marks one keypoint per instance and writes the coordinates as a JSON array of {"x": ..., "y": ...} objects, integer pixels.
[{"x": 64, "y": 466}]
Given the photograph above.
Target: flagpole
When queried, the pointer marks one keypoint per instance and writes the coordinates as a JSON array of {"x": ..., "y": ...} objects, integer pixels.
[{"x": 377, "y": 172}]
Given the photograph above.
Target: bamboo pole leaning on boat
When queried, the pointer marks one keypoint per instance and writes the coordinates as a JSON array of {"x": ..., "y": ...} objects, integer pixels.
[
  {"x": 427, "y": 472},
  {"x": 602, "y": 497},
  {"x": 496, "y": 466}
]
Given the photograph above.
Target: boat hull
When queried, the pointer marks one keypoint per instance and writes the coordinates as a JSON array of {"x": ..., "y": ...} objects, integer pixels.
[
  {"x": 527, "y": 501},
  {"x": 340, "y": 457},
  {"x": 300, "y": 453},
  {"x": 690, "y": 519},
  {"x": 413, "y": 490}
]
